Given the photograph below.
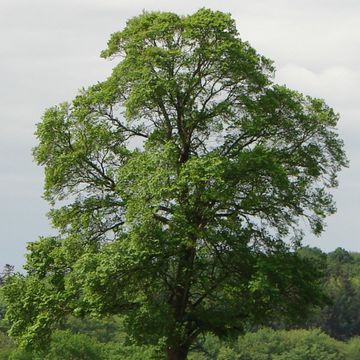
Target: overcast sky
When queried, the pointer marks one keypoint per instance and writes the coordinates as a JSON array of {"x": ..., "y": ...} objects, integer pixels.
[{"x": 49, "y": 49}]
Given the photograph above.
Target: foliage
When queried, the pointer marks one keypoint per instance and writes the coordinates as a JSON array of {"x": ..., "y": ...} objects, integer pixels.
[
  {"x": 353, "y": 349},
  {"x": 22, "y": 354},
  {"x": 6, "y": 346},
  {"x": 340, "y": 318},
  {"x": 132, "y": 352},
  {"x": 7, "y": 272},
  {"x": 105, "y": 330},
  {"x": 268, "y": 344},
  {"x": 66, "y": 345},
  {"x": 264, "y": 344},
  {"x": 175, "y": 185}
]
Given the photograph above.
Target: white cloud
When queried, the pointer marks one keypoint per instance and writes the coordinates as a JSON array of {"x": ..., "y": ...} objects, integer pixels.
[{"x": 337, "y": 84}]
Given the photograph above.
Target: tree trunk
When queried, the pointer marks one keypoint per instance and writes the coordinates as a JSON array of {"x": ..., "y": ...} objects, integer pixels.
[{"x": 177, "y": 352}]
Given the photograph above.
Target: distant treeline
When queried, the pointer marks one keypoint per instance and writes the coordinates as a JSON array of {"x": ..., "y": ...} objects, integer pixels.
[
  {"x": 331, "y": 332},
  {"x": 341, "y": 317}
]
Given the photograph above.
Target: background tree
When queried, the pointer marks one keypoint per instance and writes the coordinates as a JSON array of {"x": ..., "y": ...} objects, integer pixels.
[
  {"x": 340, "y": 317},
  {"x": 7, "y": 271},
  {"x": 266, "y": 344},
  {"x": 177, "y": 185},
  {"x": 289, "y": 345}
]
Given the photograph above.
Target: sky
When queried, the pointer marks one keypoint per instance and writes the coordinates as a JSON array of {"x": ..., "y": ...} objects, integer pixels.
[{"x": 50, "y": 49}]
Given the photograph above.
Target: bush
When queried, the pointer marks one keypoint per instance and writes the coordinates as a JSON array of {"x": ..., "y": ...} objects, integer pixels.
[
  {"x": 66, "y": 345},
  {"x": 6, "y": 346},
  {"x": 268, "y": 344}
]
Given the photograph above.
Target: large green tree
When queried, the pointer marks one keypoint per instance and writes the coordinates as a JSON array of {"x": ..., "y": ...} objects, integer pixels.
[{"x": 177, "y": 185}]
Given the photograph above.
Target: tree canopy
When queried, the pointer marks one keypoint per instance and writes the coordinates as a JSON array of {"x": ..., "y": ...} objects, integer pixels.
[{"x": 177, "y": 186}]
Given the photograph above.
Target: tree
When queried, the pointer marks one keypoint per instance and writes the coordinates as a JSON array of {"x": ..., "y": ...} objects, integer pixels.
[
  {"x": 340, "y": 317},
  {"x": 289, "y": 345},
  {"x": 7, "y": 271},
  {"x": 177, "y": 185},
  {"x": 266, "y": 343}
]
